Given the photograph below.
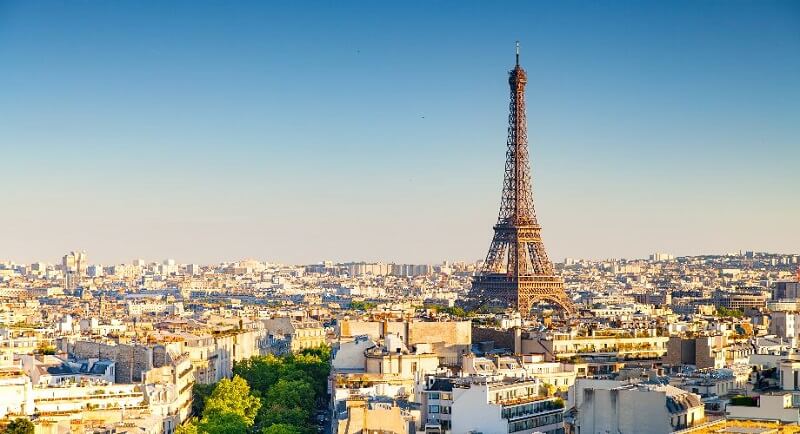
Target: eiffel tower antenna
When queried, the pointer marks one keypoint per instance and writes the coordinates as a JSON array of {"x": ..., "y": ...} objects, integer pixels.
[{"x": 517, "y": 271}]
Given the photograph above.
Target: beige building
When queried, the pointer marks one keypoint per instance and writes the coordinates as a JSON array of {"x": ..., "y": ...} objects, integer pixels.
[
  {"x": 394, "y": 358},
  {"x": 610, "y": 406},
  {"x": 365, "y": 419},
  {"x": 768, "y": 407},
  {"x": 628, "y": 345},
  {"x": 286, "y": 334},
  {"x": 168, "y": 391},
  {"x": 449, "y": 340},
  {"x": 789, "y": 374},
  {"x": 707, "y": 352}
]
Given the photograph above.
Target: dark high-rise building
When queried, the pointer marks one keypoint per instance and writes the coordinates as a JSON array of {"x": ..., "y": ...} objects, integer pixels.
[{"x": 517, "y": 271}]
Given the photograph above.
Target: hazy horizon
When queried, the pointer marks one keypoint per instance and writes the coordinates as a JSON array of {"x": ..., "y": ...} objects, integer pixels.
[
  {"x": 207, "y": 132},
  {"x": 57, "y": 260}
]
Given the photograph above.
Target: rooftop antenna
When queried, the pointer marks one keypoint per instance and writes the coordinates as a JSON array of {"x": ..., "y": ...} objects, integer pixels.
[{"x": 517, "y": 53}]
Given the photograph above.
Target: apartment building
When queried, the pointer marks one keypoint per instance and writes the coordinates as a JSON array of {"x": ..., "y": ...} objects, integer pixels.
[
  {"x": 286, "y": 334},
  {"x": 623, "y": 344},
  {"x": 363, "y": 417},
  {"x": 630, "y": 408},
  {"x": 789, "y": 374},
  {"x": 396, "y": 359},
  {"x": 450, "y": 340},
  {"x": 494, "y": 404},
  {"x": 769, "y": 407},
  {"x": 498, "y": 405}
]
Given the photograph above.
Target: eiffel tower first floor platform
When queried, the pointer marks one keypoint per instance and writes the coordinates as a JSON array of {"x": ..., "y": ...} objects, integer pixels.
[{"x": 521, "y": 292}]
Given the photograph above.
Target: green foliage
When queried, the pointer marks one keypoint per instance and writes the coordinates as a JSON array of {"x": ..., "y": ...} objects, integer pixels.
[
  {"x": 261, "y": 372},
  {"x": 200, "y": 393},
  {"x": 19, "y": 426},
  {"x": 188, "y": 428},
  {"x": 274, "y": 394},
  {"x": 314, "y": 368},
  {"x": 232, "y": 397},
  {"x": 547, "y": 389},
  {"x": 288, "y": 385},
  {"x": 362, "y": 305},
  {"x": 455, "y": 311},
  {"x": 295, "y": 393},
  {"x": 216, "y": 422},
  {"x": 288, "y": 402},
  {"x": 323, "y": 352},
  {"x": 227, "y": 407},
  {"x": 281, "y": 428},
  {"x": 725, "y": 312}
]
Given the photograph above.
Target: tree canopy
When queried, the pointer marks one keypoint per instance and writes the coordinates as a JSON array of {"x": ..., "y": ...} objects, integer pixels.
[
  {"x": 229, "y": 408},
  {"x": 268, "y": 394},
  {"x": 233, "y": 396},
  {"x": 281, "y": 428},
  {"x": 223, "y": 423},
  {"x": 724, "y": 311},
  {"x": 362, "y": 305},
  {"x": 20, "y": 426}
]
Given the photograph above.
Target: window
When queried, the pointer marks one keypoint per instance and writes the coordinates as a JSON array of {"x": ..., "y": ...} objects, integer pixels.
[
  {"x": 533, "y": 422},
  {"x": 433, "y": 395},
  {"x": 433, "y": 409}
]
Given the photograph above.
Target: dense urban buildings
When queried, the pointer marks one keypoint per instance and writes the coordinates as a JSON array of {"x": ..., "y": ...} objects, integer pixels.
[{"x": 660, "y": 336}]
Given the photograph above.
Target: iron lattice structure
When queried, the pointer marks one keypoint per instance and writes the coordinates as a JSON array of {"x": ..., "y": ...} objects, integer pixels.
[{"x": 517, "y": 271}]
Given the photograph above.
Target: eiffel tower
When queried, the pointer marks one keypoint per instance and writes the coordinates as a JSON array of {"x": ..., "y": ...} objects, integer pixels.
[{"x": 517, "y": 271}]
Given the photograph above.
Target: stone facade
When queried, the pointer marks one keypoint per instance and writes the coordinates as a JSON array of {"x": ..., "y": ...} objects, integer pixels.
[{"x": 131, "y": 360}]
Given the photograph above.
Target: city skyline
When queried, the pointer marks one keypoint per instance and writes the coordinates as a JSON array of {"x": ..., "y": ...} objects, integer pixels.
[{"x": 207, "y": 140}]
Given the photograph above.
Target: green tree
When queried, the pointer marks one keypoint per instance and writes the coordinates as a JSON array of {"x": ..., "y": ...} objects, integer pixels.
[
  {"x": 316, "y": 371},
  {"x": 20, "y": 426},
  {"x": 291, "y": 394},
  {"x": 232, "y": 396},
  {"x": 216, "y": 422},
  {"x": 288, "y": 402},
  {"x": 200, "y": 393},
  {"x": 456, "y": 311},
  {"x": 282, "y": 428},
  {"x": 296, "y": 417},
  {"x": 323, "y": 352},
  {"x": 724, "y": 311},
  {"x": 362, "y": 305},
  {"x": 261, "y": 372},
  {"x": 187, "y": 428}
]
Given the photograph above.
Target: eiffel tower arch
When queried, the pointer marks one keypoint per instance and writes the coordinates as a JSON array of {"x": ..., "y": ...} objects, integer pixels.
[{"x": 517, "y": 271}]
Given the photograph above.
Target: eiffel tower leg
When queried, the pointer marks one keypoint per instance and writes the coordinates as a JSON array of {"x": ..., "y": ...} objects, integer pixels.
[{"x": 524, "y": 305}]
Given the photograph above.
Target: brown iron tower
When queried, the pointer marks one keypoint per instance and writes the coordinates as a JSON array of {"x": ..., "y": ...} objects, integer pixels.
[{"x": 517, "y": 271}]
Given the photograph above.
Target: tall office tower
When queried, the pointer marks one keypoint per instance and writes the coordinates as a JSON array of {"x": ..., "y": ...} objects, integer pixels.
[
  {"x": 95, "y": 270},
  {"x": 659, "y": 256},
  {"x": 193, "y": 269},
  {"x": 517, "y": 271},
  {"x": 74, "y": 266}
]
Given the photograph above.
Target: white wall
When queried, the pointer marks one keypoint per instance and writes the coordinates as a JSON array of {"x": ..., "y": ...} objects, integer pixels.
[{"x": 472, "y": 412}]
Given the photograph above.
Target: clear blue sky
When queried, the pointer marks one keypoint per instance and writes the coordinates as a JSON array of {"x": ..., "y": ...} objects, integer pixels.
[{"x": 297, "y": 131}]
